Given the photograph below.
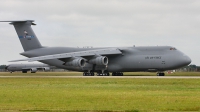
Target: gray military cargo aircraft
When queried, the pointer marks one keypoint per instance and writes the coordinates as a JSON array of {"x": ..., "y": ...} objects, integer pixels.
[
  {"x": 33, "y": 67},
  {"x": 101, "y": 60}
]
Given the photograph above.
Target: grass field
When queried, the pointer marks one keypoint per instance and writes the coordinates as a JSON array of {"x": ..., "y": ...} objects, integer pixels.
[
  {"x": 80, "y": 74},
  {"x": 98, "y": 95}
]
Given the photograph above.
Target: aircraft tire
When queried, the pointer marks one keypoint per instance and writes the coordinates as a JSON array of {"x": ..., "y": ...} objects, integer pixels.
[
  {"x": 100, "y": 74},
  {"x": 114, "y": 74},
  {"x": 24, "y": 71},
  {"x": 92, "y": 73},
  {"x": 160, "y": 74},
  {"x": 88, "y": 74}
]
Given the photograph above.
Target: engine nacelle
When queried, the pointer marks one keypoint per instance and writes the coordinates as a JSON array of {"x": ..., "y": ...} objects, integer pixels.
[
  {"x": 100, "y": 60},
  {"x": 76, "y": 62},
  {"x": 46, "y": 69},
  {"x": 33, "y": 70}
]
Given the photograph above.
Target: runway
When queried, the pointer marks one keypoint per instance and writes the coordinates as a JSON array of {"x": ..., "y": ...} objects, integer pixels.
[{"x": 145, "y": 77}]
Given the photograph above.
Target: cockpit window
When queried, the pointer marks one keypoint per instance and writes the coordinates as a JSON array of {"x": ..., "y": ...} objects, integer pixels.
[{"x": 173, "y": 48}]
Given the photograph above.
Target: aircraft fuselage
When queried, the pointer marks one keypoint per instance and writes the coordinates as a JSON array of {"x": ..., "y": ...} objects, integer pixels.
[{"x": 155, "y": 58}]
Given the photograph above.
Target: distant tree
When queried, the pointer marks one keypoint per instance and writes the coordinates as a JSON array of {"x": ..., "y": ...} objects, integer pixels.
[
  {"x": 193, "y": 66},
  {"x": 2, "y": 66}
]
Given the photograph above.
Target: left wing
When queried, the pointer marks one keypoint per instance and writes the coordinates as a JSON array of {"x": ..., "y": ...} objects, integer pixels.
[{"x": 104, "y": 52}]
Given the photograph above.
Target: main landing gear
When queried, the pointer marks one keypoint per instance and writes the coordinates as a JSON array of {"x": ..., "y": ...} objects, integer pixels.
[
  {"x": 160, "y": 74},
  {"x": 102, "y": 74},
  {"x": 88, "y": 73}
]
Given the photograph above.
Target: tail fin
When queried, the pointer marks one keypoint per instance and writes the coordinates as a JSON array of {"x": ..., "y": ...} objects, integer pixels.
[{"x": 26, "y": 35}]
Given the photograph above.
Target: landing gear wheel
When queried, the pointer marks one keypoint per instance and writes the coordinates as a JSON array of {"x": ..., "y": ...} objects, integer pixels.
[
  {"x": 160, "y": 74},
  {"x": 100, "y": 74},
  {"x": 92, "y": 73},
  {"x": 103, "y": 74},
  {"x": 106, "y": 74},
  {"x": 24, "y": 71},
  {"x": 88, "y": 73},
  {"x": 114, "y": 74}
]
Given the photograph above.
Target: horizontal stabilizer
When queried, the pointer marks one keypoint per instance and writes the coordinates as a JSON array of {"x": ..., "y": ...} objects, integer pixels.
[{"x": 20, "y": 21}]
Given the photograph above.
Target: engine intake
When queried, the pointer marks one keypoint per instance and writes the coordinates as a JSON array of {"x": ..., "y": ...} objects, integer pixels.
[
  {"x": 46, "y": 69},
  {"x": 33, "y": 70},
  {"x": 76, "y": 62},
  {"x": 100, "y": 60}
]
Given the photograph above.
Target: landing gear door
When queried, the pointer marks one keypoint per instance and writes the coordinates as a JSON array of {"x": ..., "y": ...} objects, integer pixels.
[{"x": 163, "y": 63}]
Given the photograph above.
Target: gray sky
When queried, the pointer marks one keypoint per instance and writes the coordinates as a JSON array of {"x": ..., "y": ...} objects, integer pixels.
[{"x": 103, "y": 23}]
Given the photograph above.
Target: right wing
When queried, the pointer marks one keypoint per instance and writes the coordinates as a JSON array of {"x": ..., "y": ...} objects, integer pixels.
[{"x": 103, "y": 52}]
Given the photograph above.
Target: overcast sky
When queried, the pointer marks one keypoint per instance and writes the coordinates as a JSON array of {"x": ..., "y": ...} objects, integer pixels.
[{"x": 103, "y": 23}]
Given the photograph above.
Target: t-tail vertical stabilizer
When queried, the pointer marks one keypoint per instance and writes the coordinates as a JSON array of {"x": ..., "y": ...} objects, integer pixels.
[{"x": 25, "y": 34}]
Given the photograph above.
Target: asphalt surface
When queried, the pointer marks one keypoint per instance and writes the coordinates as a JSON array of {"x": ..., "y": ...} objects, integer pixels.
[{"x": 146, "y": 77}]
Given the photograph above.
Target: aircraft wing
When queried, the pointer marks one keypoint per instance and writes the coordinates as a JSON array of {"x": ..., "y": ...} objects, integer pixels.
[
  {"x": 104, "y": 52},
  {"x": 28, "y": 68}
]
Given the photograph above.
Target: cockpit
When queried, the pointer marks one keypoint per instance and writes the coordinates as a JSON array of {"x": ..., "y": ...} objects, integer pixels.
[{"x": 173, "y": 48}]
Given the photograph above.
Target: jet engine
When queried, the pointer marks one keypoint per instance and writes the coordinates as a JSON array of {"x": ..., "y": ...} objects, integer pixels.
[
  {"x": 100, "y": 60},
  {"x": 46, "y": 69},
  {"x": 33, "y": 70},
  {"x": 76, "y": 62}
]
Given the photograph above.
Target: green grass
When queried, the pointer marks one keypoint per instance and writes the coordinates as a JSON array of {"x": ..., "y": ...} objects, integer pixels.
[
  {"x": 80, "y": 74},
  {"x": 99, "y": 95}
]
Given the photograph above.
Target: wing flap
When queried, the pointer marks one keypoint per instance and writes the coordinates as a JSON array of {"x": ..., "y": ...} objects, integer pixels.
[{"x": 112, "y": 51}]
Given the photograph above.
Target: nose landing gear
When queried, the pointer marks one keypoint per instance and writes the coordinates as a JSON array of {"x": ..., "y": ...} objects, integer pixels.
[{"x": 160, "y": 74}]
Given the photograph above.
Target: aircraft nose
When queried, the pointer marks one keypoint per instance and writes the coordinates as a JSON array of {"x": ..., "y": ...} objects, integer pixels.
[
  {"x": 187, "y": 60},
  {"x": 179, "y": 60}
]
